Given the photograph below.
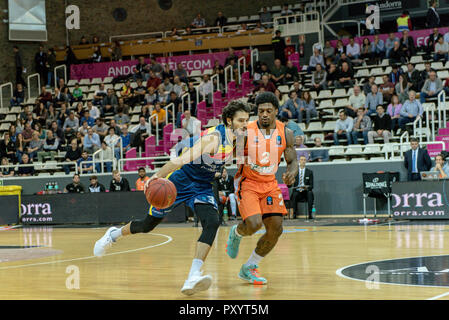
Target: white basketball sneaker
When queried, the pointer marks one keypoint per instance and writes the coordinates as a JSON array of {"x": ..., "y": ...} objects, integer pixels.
[
  {"x": 196, "y": 283},
  {"x": 104, "y": 243}
]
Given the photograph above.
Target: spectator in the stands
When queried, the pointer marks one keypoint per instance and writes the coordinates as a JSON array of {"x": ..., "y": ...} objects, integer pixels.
[
  {"x": 394, "y": 111},
  {"x": 386, "y": 88},
  {"x": 152, "y": 96},
  {"x": 343, "y": 128},
  {"x": 41, "y": 114},
  {"x": 112, "y": 140},
  {"x": 40, "y": 62},
  {"x": 432, "y": 87},
  {"x": 353, "y": 49},
  {"x": 441, "y": 50},
  {"x": 339, "y": 50},
  {"x": 8, "y": 147},
  {"x": 168, "y": 86},
  {"x": 319, "y": 155},
  {"x": 407, "y": 45},
  {"x": 95, "y": 186},
  {"x": 307, "y": 107},
  {"x": 51, "y": 116},
  {"x": 76, "y": 186},
  {"x": 20, "y": 147},
  {"x": 198, "y": 22},
  {"x": 282, "y": 100},
  {"x": 205, "y": 89},
  {"x": 344, "y": 58},
  {"x": 100, "y": 128},
  {"x": 286, "y": 11},
  {"x": 378, "y": 47},
  {"x": 291, "y": 72},
  {"x": 45, "y": 96},
  {"x": 373, "y": 99},
  {"x": 156, "y": 67},
  {"x": 173, "y": 98},
  {"x": 26, "y": 171},
  {"x": 50, "y": 147},
  {"x": 356, "y": 100},
  {"x": 86, "y": 167},
  {"x": 77, "y": 93},
  {"x": 220, "y": 21},
  {"x": 167, "y": 73},
  {"x": 120, "y": 118},
  {"x": 162, "y": 95},
  {"x": 36, "y": 145},
  {"x": 91, "y": 141},
  {"x": 116, "y": 51},
  {"x": 86, "y": 117},
  {"x": 110, "y": 98},
  {"x": 278, "y": 73},
  {"x": 231, "y": 56},
  {"x": 319, "y": 79},
  {"x": 140, "y": 91},
  {"x": 425, "y": 74},
  {"x": 441, "y": 166},
  {"x": 27, "y": 132},
  {"x": 265, "y": 16},
  {"x": 299, "y": 144},
  {"x": 180, "y": 87},
  {"x": 433, "y": 18},
  {"x": 433, "y": 40},
  {"x": 96, "y": 56},
  {"x": 118, "y": 183},
  {"x": 126, "y": 139},
  {"x": 99, "y": 95},
  {"x": 259, "y": 27},
  {"x": 402, "y": 88},
  {"x": 128, "y": 94},
  {"x": 389, "y": 43},
  {"x": 293, "y": 126},
  {"x": 108, "y": 111},
  {"x": 142, "y": 179},
  {"x": 296, "y": 88},
  {"x": 71, "y": 125},
  {"x": 72, "y": 155},
  {"x": 93, "y": 110},
  {"x": 290, "y": 109},
  {"x": 181, "y": 73},
  {"x": 266, "y": 84},
  {"x": 328, "y": 50},
  {"x": 104, "y": 157},
  {"x": 79, "y": 110},
  {"x": 332, "y": 76},
  {"x": 345, "y": 77},
  {"x": 141, "y": 131},
  {"x": 18, "y": 96},
  {"x": 404, "y": 22},
  {"x": 316, "y": 58},
  {"x": 394, "y": 74},
  {"x": 366, "y": 50},
  {"x": 191, "y": 124},
  {"x": 113, "y": 124},
  {"x": 279, "y": 46},
  {"x": 397, "y": 55},
  {"x": 142, "y": 70},
  {"x": 411, "y": 109},
  {"x": 361, "y": 126},
  {"x": 382, "y": 126},
  {"x": 57, "y": 132},
  {"x": 7, "y": 171}
]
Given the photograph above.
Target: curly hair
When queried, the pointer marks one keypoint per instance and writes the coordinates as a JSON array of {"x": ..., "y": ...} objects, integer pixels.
[
  {"x": 267, "y": 97},
  {"x": 232, "y": 108}
]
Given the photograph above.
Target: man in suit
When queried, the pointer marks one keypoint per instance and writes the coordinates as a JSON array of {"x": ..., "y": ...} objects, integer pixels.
[
  {"x": 433, "y": 18},
  {"x": 40, "y": 60},
  {"x": 302, "y": 188},
  {"x": 225, "y": 186},
  {"x": 416, "y": 160}
]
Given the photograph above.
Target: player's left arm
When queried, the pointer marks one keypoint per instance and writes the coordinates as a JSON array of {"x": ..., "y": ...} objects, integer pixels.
[{"x": 290, "y": 157}]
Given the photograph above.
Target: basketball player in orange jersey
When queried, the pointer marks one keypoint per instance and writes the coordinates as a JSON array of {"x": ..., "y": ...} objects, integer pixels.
[
  {"x": 192, "y": 172},
  {"x": 258, "y": 195}
]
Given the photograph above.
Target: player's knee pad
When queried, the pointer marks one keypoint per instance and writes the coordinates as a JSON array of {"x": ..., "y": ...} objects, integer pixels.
[
  {"x": 209, "y": 221},
  {"x": 145, "y": 225}
]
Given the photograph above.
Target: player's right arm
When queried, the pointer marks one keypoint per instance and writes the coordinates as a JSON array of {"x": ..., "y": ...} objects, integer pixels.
[{"x": 206, "y": 145}]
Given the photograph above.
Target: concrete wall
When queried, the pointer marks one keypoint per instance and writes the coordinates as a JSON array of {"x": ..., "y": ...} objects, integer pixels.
[{"x": 338, "y": 187}]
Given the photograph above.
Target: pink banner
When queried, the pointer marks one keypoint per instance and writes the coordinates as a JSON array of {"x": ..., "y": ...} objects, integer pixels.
[
  {"x": 122, "y": 68},
  {"x": 421, "y": 37}
]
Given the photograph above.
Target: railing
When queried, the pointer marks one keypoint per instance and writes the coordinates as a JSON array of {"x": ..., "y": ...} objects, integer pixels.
[
  {"x": 63, "y": 67},
  {"x": 215, "y": 76},
  {"x": 9, "y": 84},
  {"x": 158, "y": 34},
  {"x": 238, "y": 67},
  {"x": 42, "y": 166},
  {"x": 38, "y": 84},
  {"x": 442, "y": 106},
  {"x": 157, "y": 126},
  {"x": 254, "y": 55},
  {"x": 183, "y": 101},
  {"x": 157, "y": 160},
  {"x": 102, "y": 161},
  {"x": 226, "y": 76},
  {"x": 173, "y": 114},
  {"x": 301, "y": 23},
  {"x": 327, "y": 25}
]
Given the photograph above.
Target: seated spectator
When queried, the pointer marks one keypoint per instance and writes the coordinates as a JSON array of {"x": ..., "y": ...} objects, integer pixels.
[
  {"x": 328, "y": 50},
  {"x": 8, "y": 147},
  {"x": 156, "y": 67},
  {"x": 104, "y": 158},
  {"x": 366, "y": 50},
  {"x": 266, "y": 84},
  {"x": 191, "y": 124},
  {"x": 315, "y": 59},
  {"x": 205, "y": 89},
  {"x": 18, "y": 96},
  {"x": 6, "y": 172},
  {"x": 319, "y": 155},
  {"x": 432, "y": 87},
  {"x": 265, "y": 16},
  {"x": 72, "y": 155},
  {"x": 58, "y": 100},
  {"x": 353, "y": 49},
  {"x": 307, "y": 107},
  {"x": 411, "y": 109},
  {"x": 402, "y": 88},
  {"x": 76, "y": 186},
  {"x": 128, "y": 94},
  {"x": 100, "y": 128},
  {"x": 57, "y": 132},
  {"x": 143, "y": 178},
  {"x": 378, "y": 48},
  {"x": 91, "y": 141},
  {"x": 116, "y": 51},
  {"x": 27, "y": 133},
  {"x": 140, "y": 91},
  {"x": 96, "y": 56},
  {"x": 396, "y": 54},
  {"x": 110, "y": 99},
  {"x": 280, "y": 97},
  {"x": 339, "y": 50},
  {"x": 95, "y": 186},
  {"x": 20, "y": 147},
  {"x": 433, "y": 40},
  {"x": 126, "y": 139},
  {"x": 407, "y": 45},
  {"x": 368, "y": 85},
  {"x": 394, "y": 111},
  {"x": 118, "y": 184},
  {"x": 198, "y": 22},
  {"x": 36, "y": 145},
  {"x": 425, "y": 74},
  {"x": 373, "y": 99},
  {"x": 441, "y": 50},
  {"x": 141, "y": 132},
  {"x": 296, "y": 88},
  {"x": 441, "y": 166},
  {"x": 389, "y": 44},
  {"x": 356, "y": 100},
  {"x": 180, "y": 87},
  {"x": 394, "y": 74},
  {"x": 71, "y": 126},
  {"x": 343, "y": 128},
  {"x": 121, "y": 104},
  {"x": 86, "y": 117},
  {"x": 332, "y": 76},
  {"x": 361, "y": 127},
  {"x": 220, "y": 21},
  {"x": 167, "y": 85},
  {"x": 381, "y": 126},
  {"x": 152, "y": 95},
  {"x": 299, "y": 144},
  {"x": 45, "y": 97},
  {"x": 167, "y": 73},
  {"x": 25, "y": 171},
  {"x": 319, "y": 79},
  {"x": 77, "y": 93},
  {"x": 345, "y": 77},
  {"x": 290, "y": 109},
  {"x": 413, "y": 78},
  {"x": 291, "y": 72},
  {"x": 181, "y": 73},
  {"x": 226, "y": 193},
  {"x": 293, "y": 126},
  {"x": 86, "y": 167},
  {"x": 113, "y": 141},
  {"x": 120, "y": 118},
  {"x": 50, "y": 147},
  {"x": 113, "y": 125},
  {"x": 386, "y": 88},
  {"x": 278, "y": 73},
  {"x": 160, "y": 118},
  {"x": 343, "y": 59},
  {"x": 93, "y": 110}
]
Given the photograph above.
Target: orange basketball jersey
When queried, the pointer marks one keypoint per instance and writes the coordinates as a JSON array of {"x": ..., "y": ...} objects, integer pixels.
[{"x": 263, "y": 153}]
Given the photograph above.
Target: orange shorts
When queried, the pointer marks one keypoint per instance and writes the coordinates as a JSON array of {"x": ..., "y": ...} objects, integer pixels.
[{"x": 255, "y": 197}]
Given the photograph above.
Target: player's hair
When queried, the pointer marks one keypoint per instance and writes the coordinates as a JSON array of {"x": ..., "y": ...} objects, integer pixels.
[
  {"x": 267, "y": 97},
  {"x": 232, "y": 108},
  {"x": 141, "y": 168},
  {"x": 115, "y": 172}
]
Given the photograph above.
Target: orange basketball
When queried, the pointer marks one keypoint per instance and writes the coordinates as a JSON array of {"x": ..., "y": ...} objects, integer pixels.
[{"x": 161, "y": 193}]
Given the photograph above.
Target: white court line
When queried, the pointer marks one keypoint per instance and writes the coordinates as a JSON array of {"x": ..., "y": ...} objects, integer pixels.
[
  {"x": 169, "y": 239},
  {"x": 439, "y": 296}
]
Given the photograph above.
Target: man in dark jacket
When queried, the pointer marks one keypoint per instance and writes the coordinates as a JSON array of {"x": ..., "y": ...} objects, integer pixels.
[
  {"x": 416, "y": 161},
  {"x": 19, "y": 66},
  {"x": 433, "y": 18},
  {"x": 118, "y": 183},
  {"x": 40, "y": 60},
  {"x": 95, "y": 186},
  {"x": 278, "y": 47},
  {"x": 302, "y": 188},
  {"x": 225, "y": 186}
]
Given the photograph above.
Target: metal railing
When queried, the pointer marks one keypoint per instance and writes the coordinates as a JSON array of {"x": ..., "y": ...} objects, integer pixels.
[
  {"x": 158, "y": 34},
  {"x": 442, "y": 107},
  {"x": 8, "y": 84},
  {"x": 64, "y": 68},
  {"x": 239, "y": 67},
  {"x": 157, "y": 126},
  {"x": 226, "y": 76},
  {"x": 301, "y": 23},
  {"x": 38, "y": 85},
  {"x": 173, "y": 115},
  {"x": 254, "y": 56},
  {"x": 41, "y": 166},
  {"x": 327, "y": 25},
  {"x": 188, "y": 101},
  {"x": 101, "y": 161},
  {"x": 158, "y": 160}
]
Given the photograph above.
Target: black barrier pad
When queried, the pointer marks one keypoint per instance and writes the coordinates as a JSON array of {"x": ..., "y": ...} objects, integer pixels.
[{"x": 9, "y": 213}]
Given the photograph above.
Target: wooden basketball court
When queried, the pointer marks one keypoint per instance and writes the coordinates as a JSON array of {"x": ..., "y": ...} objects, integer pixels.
[{"x": 304, "y": 265}]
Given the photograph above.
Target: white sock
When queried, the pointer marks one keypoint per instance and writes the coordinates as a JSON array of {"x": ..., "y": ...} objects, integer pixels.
[
  {"x": 254, "y": 259},
  {"x": 237, "y": 233},
  {"x": 116, "y": 234},
  {"x": 196, "y": 266}
]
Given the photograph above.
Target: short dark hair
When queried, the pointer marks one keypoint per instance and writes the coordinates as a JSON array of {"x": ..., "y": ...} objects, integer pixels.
[
  {"x": 267, "y": 97},
  {"x": 283, "y": 119},
  {"x": 76, "y": 174},
  {"x": 344, "y": 112},
  {"x": 440, "y": 155},
  {"x": 141, "y": 168},
  {"x": 232, "y": 108},
  {"x": 413, "y": 139}
]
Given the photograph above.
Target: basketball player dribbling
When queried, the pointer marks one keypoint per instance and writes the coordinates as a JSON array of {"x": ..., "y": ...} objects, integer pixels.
[
  {"x": 259, "y": 198},
  {"x": 192, "y": 172}
]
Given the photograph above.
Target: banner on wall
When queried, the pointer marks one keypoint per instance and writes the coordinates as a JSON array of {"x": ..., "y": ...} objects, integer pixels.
[{"x": 122, "y": 68}]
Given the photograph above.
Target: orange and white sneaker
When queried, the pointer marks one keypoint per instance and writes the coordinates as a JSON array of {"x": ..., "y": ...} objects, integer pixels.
[{"x": 251, "y": 274}]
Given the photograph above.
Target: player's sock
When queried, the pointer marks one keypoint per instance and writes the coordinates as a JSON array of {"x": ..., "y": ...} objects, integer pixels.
[
  {"x": 116, "y": 234},
  {"x": 254, "y": 259},
  {"x": 196, "y": 266},
  {"x": 237, "y": 233}
]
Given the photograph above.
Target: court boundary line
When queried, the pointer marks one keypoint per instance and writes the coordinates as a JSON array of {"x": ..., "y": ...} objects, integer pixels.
[
  {"x": 169, "y": 239},
  {"x": 340, "y": 274}
]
